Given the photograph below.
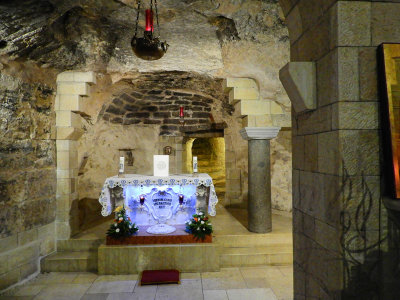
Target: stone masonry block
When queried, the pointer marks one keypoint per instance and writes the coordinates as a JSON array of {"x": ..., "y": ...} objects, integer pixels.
[
  {"x": 69, "y": 102},
  {"x": 299, "y": 81},
  {"x": 22, "y": 255},
  {"x": 232, "y": 82},
  {"x": 69, "y": 133},
  {"x": 74, "y": 88},
  {"x": 360, "y": 151},
  {"x": 253, "y": 107},
  {"x": 63, "y": 230},
  {"x": 10, "y": 278},
  {"x": 348, "y": 74},
  {"x": 66, "y": 145},
  {"x": 8, "y": 243},
  {"x": 66, "y": 186},
  {"x": 69, "y": 173},
  {"x": 65, "y": 118},
  {"x": 354, "y": 28},
  {"x": 64, "y": 201},
  {"x": 238, "y": 94},
  {"x": 232, "y": 174},
  {"x": 69, "y": 76},
  {"x": 27, "y": 236},
  {"x": 67, "y": 160},
  {"x": 311, "y": 152},
  {"x": 329, "y": 158},
  {"x": 47, "y": 236},
  {"x": 257, "y": 121},
  {"x": 355, "y": 115},
  {"x": 233, "y": 185},
  {"x": 385, "y": 22}
]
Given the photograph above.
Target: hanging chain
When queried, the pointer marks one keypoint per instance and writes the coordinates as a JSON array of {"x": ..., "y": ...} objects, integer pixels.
[
  {"x": 137, "y": 17},
  {"x": 158, "y": 24}
]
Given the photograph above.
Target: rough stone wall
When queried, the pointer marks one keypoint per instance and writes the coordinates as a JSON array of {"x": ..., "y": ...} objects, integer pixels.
[
  {"x": 155, "y": 98},
  {"x": 27, "y": 173},
  {"x": 339, "y": 221}
]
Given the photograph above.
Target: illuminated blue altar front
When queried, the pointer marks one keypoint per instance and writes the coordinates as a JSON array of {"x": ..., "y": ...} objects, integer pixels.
[
  {"x": 152, "y": 200},
  {"x": 145, "y": 213}
]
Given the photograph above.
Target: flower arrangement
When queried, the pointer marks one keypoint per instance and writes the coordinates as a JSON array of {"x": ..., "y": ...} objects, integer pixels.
[
  {"x": 199, "y": 226},
  {"x": 122, "y": 226}
]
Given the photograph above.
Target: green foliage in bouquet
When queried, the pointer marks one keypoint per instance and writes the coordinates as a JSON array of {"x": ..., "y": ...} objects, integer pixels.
[
  {"x": 199, "y": 226},
  {"x": 122, "y": 226}
]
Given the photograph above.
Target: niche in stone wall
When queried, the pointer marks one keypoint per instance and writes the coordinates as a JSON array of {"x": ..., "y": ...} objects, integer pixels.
[{"x": 141, "y": 113}]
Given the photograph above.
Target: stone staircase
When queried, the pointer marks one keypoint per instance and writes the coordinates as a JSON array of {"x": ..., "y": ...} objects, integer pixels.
[
  {"x": 237, "y": 246},
  {"x": 74, "y": 255},
  {"x": 255, "y": 250}
]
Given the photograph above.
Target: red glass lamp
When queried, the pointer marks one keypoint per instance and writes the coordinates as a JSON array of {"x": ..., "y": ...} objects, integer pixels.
[{"x": 148, "y": 47}]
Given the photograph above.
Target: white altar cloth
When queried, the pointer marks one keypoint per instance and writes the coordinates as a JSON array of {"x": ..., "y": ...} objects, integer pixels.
[{"x": 147, "y": 180}]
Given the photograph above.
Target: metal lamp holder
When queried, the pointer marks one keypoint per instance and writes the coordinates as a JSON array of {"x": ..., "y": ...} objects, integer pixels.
[{"x": 148, "y": 47}]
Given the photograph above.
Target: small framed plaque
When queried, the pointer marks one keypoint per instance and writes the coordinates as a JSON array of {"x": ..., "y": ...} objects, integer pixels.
[{"x": 161, "y": 165}]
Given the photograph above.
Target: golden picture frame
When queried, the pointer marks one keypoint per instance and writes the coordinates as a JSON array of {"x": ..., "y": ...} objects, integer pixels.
[{"x": 389, "y": 77}]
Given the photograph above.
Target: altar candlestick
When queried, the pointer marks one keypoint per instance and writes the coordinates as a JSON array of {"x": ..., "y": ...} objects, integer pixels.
[
  {"x": 121, "y": 165},
  {"x": 195, "y": 164}
]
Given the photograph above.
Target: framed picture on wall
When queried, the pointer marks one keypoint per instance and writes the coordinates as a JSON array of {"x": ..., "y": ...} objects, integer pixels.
[{"x": 389, "y": 81}]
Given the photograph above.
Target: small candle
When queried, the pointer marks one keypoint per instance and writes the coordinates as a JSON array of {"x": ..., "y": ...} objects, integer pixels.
[{"x": 181, "y": 113}]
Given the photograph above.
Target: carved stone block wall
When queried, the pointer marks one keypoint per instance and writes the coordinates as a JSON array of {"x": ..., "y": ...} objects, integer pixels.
[{"x": 339, "y": 223}]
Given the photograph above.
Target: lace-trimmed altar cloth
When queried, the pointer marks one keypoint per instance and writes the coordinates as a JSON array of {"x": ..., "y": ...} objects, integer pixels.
[{"x": 146, "y": 180}]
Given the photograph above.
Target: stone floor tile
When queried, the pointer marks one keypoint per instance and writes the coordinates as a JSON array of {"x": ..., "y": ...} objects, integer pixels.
[
  {"x": 111, "y": 287},
  {"x": 16, "y": 297},
  {"x": 85, "y": 278},
  {"x": 215, "y": 295},
  {"x": 102, "y": 278},
  {"x": 287, "y": 270},
  {"x": 94, "y": 297},
  {"x": 28, "y": 290},
  {"x": 253, "y": 294},
  {"x": 185, "y": 284},
  {"x": 190, "y": 276},
  {"x": 257, "y": 282},
  {"x": 223, "y": 283},
  {"x": 282, "y": 290},
  {"x": 54, "y": 277},
  {"x": 145, "y": 292},
  {"x": 122, "y": 296},
  {"x": 63, "y": 291},
  {"x": 265, "y": 271},
  {"x": 179, "y": 294}
]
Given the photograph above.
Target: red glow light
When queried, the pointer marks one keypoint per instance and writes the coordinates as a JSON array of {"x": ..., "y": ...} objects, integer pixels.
[
  {"x": 181, "y": 113},
  {"x": 149, "y": 20}
]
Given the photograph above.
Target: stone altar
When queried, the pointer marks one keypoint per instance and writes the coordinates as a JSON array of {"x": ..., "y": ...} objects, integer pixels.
[{"x": 161, "y": 201}]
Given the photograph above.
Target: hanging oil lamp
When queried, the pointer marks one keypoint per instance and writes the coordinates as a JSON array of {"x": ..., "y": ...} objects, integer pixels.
[{"x": 148, "y": 47}]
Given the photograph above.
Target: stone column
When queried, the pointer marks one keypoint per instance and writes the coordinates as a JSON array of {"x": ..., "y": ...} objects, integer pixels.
[{"x": 259, "y": 204}]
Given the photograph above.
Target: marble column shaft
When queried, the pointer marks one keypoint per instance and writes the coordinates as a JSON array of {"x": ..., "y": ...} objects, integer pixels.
[{"x": 259, "y": 204}]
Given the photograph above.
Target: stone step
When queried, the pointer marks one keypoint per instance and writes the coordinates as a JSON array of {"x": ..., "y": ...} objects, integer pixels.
[
  {"x": 70, "y": 261},
  {"x": 79, "y": 244},
  {"x": 254, "y": 256},
  {"x": 254, "y": 240}
]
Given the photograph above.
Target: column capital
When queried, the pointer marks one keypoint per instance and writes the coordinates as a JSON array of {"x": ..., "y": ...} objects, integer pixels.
[{"x": 259, "y": 133}]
